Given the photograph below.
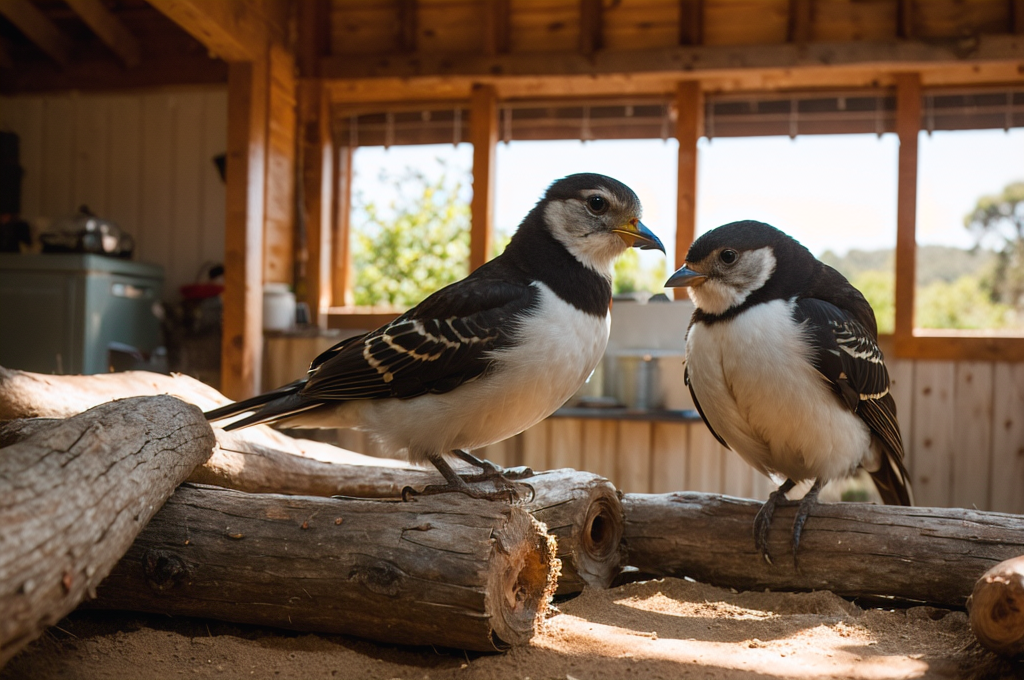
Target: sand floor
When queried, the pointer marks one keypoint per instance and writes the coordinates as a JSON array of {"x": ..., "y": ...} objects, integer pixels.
[{"x": 667, "y": 628}]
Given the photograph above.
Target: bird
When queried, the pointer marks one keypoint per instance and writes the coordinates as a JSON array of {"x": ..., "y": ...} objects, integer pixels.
[
  {"x": 783, "y": 364},
  {"x": 484, "y": 358}
]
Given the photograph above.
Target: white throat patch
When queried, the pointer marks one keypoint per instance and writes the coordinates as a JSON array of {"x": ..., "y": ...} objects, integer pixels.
[{"x": 728, "y": 288}]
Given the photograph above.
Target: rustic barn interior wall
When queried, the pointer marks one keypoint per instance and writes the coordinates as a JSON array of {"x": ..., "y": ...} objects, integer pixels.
[{"x": 144, "y": 160}]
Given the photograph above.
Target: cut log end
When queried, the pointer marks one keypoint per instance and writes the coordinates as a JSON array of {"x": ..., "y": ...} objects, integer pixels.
[
  {"x": 997, "y": 608},
  {"x": 599, "y": 554},
  {"x": 523, "y": 580}
]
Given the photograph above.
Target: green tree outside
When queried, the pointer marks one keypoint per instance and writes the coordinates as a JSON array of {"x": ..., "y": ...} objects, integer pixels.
[{"x": 1002, "y": 216}]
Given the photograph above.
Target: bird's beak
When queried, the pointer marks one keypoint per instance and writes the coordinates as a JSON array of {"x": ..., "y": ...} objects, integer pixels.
[
  {"x": 685, "y": 277},
  {"x": 636, "y": 235}
]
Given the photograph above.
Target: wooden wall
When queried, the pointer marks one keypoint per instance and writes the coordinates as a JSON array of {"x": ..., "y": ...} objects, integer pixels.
[
  {"x": 962, "y": 422},
  {"x": 143, "y": 160}
]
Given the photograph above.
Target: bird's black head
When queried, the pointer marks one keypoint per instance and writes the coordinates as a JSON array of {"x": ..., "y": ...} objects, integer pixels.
[
  {"x": 728, "y": 264},
  {"x": 596, "y": 218}
]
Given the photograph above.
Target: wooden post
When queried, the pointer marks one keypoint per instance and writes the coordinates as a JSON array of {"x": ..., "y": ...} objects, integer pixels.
[
  {"x": 689, "y": 128},
  {"x": 908, "y": 124},
  {"x": 483, "y": 135},
  {"x": 242, "y": 340},
  {"x": 279, "y": 187},
  {"x": 313, "y": 18},
  {"x": 316, "y": 157},
  {"x": 342, "y": 274}
]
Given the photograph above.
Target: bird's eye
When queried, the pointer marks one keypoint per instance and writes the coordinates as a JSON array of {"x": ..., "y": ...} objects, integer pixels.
[
  {"x": 597, "y": 204},
  {"x": 727, "y": 256}
]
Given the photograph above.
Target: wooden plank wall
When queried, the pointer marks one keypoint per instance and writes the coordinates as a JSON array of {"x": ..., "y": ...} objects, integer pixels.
[
  {"x": 143, "y": 160},
  {"x": 962, "y": 422}
]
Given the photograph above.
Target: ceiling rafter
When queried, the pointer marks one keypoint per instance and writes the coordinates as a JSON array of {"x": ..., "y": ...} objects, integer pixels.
[
  {"x": 38, "y": 28},
  {"x": 109, "y": 29}
]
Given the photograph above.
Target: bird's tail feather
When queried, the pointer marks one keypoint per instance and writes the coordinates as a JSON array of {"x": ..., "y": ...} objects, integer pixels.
[
  {"x": 270, "y": 406},
  {"x": 893, "y": 482}
]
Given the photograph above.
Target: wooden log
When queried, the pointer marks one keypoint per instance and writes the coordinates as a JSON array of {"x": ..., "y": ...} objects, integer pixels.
[
  {"x": 443, "y": 570},
  {"x": 997, "y": 608},
  {"x": 73, "y": 496},
  {"x": 931, "y": 555}
]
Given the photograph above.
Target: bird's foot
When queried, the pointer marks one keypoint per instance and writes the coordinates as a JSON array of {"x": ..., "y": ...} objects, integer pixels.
[
  {"x": 763, "y": 519},
  {"x": 803, "y": 510},
  {"x": 505, "y": 488}
]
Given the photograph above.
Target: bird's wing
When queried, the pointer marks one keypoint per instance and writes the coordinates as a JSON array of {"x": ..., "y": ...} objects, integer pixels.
[
  {"x": 445, "y": 341},
  {"x": 847, "y": 356},
  {"x": 693, "y": 395}
]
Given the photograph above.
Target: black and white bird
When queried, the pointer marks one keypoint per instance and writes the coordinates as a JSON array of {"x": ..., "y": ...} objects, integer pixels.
[
  {"x": 783, "y": 365},
  {"x": 485, "y": 358}
]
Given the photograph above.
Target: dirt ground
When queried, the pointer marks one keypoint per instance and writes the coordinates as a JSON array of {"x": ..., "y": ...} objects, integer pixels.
[{"x": 667, "y": 628}]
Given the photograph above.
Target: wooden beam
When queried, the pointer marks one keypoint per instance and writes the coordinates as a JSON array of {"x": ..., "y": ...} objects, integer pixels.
[
  {"x": 242, "y": 336},
  {"x": 908, "y": 125},
  {"x": 800, "y": 21},
  {"x": 408, "y": 20},
  {"x": 234, "y": 30},
  {"x": 691, "y": 22},
  {"x": 905, "y": 19},
  {"x": 689, "y": 128},
  {"x": 343, "y": 275},
  {"x": 496, "y": 27},
  {"x": 38, "y": 28},
  {"x": 6, "y": 62},
  {"x": 1017, "y": 17},
  {"x": 314, "y": 17},
  {"x": 707, "y": 61},
  {"x": 951, "y": 345},
  {"x": 109, "y": 29},
  {"x": 483, "y": 135},
  {"x": 591, "y": 26},
  {"x": 316, "y": 153}
]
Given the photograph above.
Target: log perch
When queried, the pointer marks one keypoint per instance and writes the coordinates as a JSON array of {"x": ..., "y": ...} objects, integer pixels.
[
  {"x": 931, "y": 555},
  {"x": 997, "y": 608},
  {"x": 74, "y": 495},
  {"x": 442, "y": 570}
]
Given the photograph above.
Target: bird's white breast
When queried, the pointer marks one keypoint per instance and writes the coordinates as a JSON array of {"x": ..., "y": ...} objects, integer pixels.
[
  {"x": 755, "y": 383},
  {"x": 557, "y": 348}
]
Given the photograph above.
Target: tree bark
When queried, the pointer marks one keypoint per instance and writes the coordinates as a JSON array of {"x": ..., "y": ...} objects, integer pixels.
[
  {"x": 74, "y": 495},
  {"x": 443, "y": 570},
  {"x": 931, "y": 555},
  {"x": 997, "y": 608}
]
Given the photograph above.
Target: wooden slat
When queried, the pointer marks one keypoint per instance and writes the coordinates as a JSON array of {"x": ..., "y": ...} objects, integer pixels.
[
  {"x": 314, "y": 24},
  {"x": 934, "y": 438},
  {"x": 591, "y": 21},
  {"x": 57, "y": 164},
  {"x": 599, "y": 447},
  {"x": 535, "y": 445},
  {"x": 1017, "y": 17},
  {"x": 241, "y": 353},
  {"x": 215, "y": 131},
  {"x": 496, "y": 27},
  {"x": 1008, "y": 439},
  {"x": 945, "y": 345},
  {"x": 905, "y": 19},
  {"x": 669, "y": 457},
  {"x": 689, "y": 128},
  {"x": 483, "y": 135},
  {"x": 90, "y": 172},
  {"x": 232, "y": 29},
  {"x": 565, "y": 443},
  {"x": 901, "y": 385},
  {"x": 341, "y": 280},
  {"x": 746, "y": 22},
  {"x": 691, "y": 22},
  {"x": 704, "y": 460},
  {"x": 156, "y": 222},
  {"x": 737, "y": 476},
  {"x": 126, "y": 148},
  {"x": 908, "y": 124},
  {"x": 187, "y": 192},
  {"x": 38, "y": 28},
  {"x": 972, "y": 435},
  {"x": 633, "y": 467},
  {"x": 315, "y": 157},
  {"x": 407, "y": 23},
  {"x": 109, "y": 29},
  {"x": 800, "y": 21}
]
